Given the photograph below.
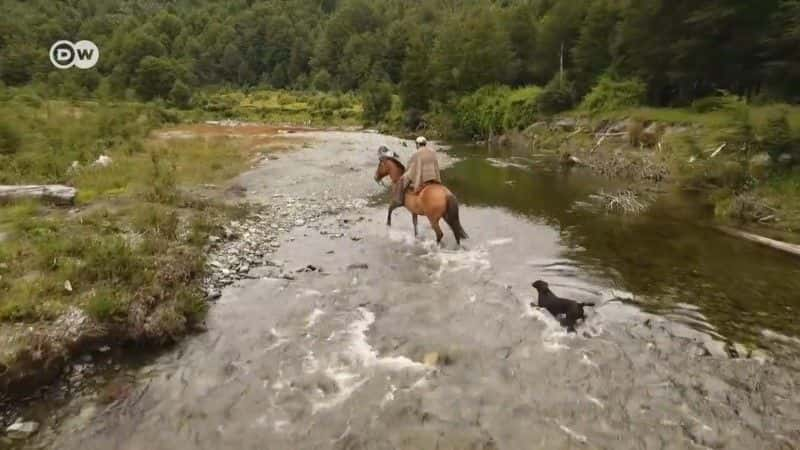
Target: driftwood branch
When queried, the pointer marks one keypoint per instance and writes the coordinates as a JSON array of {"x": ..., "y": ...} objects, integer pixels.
[
  {"x": 772, "y": 243},
  {"x": 597, "y": 145},
  {"x": 719, "y": 149},
  {"x": 602, "y": 135},
  {"x": 62, "y": 195}
]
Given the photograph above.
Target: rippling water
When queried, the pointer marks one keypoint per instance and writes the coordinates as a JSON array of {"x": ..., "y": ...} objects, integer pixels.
[{"x": 440, "y": 348}]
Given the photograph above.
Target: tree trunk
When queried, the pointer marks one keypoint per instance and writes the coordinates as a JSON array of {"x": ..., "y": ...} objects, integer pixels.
[
  {"x": 792, "y": 249},
  {"x": 59, "y": 194}
]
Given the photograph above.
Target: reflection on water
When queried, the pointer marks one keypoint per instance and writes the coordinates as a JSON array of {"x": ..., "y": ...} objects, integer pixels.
[{"x": 668, "y": 257}]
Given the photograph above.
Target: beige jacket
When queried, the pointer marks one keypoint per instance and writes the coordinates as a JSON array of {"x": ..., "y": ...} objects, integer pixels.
[{"x": 422, "y": 167}]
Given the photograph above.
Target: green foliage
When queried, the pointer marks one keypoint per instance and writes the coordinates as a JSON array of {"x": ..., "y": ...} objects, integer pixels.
[
  {"x": 776, "y": 136},
  {"x": 154, "y": 78},
  {"x": 377, "y": 99},
  {"x": 10, "y": 138},
  {"x": 106, "y": 306},
  {"x": 180, "y": 95},
  {"x": 557, "y": 96},
  {"x": 430, "y": 50},
  {"x": 472, "y": 49},
  {"x": 322, "y": 81},
  {"x": 481, "y": 113},
  {"x": 522, "y": 107},
  {"x": 611, "y": 95},
  {"x": 163, "y": 188},
  {"x": 416, "y": 84},
  {"x": 497, "y": 109}
]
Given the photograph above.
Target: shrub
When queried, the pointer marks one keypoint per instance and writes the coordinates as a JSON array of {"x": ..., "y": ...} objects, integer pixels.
[
  {"x": 413, "y": 119},
  {"x": 163, "y": 188},
  {"x": 722, "y": 101},
  {"x": 777, "y": 135},
  {"x": 557, "y": 96},
  {"x": 522, "y": 108},
  {"x": 481, "y": 113},
  {"x": 377, "y": 98},
  {"x": 321, "y": 81},
  {"x": 180, "y": 95},
  {"x": 610, "y": 95},
  {"x": 105, "y": 305},
  {"x": 10, "y": 139}
]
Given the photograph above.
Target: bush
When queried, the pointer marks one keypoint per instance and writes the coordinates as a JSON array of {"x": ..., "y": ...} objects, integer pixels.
[
  {"x": 611, "y": 95},
  {"x": 722, "y": 101},
  {"x": 321, "y": 81},
  {"x": 522, "y": 108},
  {"x": 557, "y": 96},
  {"x": 481, "y": 113},
  {"x": 105, "y": 306},
  {"x": 10, "y": 139},
  {"x": 413, "y": 119},
  {"x": 180, "y": 95},
  {"x": 377, "y": 98},
  {"x": 777, "y": 135}
]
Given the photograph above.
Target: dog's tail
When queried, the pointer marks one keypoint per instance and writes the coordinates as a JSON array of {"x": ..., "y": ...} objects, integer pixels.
[{"x": 451, "y": 217}]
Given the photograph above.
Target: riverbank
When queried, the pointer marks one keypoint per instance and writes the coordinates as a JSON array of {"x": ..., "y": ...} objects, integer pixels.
[
  {"x": 723, "y": 158},
  {"x": 125, "y": 264}
]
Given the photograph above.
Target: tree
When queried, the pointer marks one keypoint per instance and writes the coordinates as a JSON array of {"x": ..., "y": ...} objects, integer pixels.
[
  {"x": 416, "y": 85},
  {"x": 557, "y": 32},
  {"x": 180, "y": 95},
  {"x": 591, "y": 55},
  {"x": 322, "y": 81},
  {"x": 155, "y": 78},
  {"x": 377, "y": 98},
  {"x": 471, "y": 50}
]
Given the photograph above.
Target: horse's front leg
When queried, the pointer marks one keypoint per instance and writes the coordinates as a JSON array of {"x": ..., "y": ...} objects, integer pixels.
[
  {"x": 414, "y": 221},
  {"x": 389, "y": 216}
]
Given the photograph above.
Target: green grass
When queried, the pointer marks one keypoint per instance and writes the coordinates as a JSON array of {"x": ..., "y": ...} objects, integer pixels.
[{"x": 133, "y": 253}]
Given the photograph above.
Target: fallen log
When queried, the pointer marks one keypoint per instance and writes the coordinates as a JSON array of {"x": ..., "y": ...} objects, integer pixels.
[
  {"x": 56, "y": 193},
  {"x": 772, "y": 243}
]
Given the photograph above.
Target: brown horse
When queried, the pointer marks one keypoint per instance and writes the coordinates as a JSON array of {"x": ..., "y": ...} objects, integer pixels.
[{"x": 434, "y": 201}]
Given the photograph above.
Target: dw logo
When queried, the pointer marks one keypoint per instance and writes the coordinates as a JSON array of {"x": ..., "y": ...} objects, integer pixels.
[{"x": 82, "y": 54}]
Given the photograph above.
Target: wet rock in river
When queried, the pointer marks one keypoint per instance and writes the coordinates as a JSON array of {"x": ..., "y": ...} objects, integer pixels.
[
  {"x": 22, "y": 430},
  {"x": 431, "y": 359}
]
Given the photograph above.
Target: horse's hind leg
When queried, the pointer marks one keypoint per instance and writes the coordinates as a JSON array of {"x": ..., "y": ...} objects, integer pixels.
[
  {"x": 414, "y": 221},
  {"x": 437, "y": 229}
]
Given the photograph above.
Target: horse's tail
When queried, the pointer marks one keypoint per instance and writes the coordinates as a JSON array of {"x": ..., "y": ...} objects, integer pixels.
[{"x": 451, "y": 217}]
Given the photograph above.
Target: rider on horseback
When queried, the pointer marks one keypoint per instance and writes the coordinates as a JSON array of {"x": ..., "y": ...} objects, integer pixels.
[{"x": 423, "y": 168}]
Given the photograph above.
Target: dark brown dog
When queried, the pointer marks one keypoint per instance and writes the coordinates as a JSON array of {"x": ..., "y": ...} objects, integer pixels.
[{"x": 564, "y": 310}]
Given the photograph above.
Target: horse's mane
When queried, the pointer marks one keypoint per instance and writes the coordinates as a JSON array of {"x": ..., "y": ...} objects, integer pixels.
[{"x": 396, "y": 161}]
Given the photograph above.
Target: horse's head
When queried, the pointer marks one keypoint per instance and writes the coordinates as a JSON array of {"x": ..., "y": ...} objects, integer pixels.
[{"x": 382, "y": 171}]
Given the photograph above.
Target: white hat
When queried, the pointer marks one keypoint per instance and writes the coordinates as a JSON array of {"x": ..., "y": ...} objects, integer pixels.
[{"x": 421, "y": 140}]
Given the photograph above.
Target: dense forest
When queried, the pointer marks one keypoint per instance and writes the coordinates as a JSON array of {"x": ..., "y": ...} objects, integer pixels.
[{"x": 429, "y": 51}]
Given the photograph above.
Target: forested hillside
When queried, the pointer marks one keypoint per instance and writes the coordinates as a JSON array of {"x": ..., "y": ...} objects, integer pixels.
[{"x": 429, "y": 51}]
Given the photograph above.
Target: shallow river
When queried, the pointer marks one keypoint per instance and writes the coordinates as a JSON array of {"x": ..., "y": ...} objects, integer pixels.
[{"x": 399, "y": 344}]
